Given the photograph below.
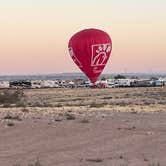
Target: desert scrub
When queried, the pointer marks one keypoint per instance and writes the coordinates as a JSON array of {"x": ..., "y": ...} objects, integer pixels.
[
  {"x": 8, "y": 97},
  {"x": 96, "y": 160},
  {"x": 107, "y": 97},
  {"x": 36, "y": 163},
  {"x": 154, "y": 164},
  {"x": 20, "y": 104},
  {"x": 25, "y": 110},
  {"x": 69, "y": 116},
  {"x": 12, "y": 117},
  {"x": 84, "y": 120},
  {"x": 58, "y": 105},
  {"x": 40, "y": 104},
  {"x": 97, "y": 105},
  {"x": 10, "y": 124}
]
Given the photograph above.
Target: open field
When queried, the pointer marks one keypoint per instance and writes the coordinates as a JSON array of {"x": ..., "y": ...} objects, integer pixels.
[{"x": 85, "y": 127}]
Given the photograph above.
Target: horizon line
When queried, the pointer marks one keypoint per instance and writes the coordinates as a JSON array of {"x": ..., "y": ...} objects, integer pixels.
[{"x": 38, "y": 74}]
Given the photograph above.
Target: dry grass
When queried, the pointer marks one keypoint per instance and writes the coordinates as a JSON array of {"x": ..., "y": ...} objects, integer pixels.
[
  {"x": 12, "y": 117},
  {"x": 50, "y": 101},
  {"x": 84, "y": 121},
  {"x": 115, "y": 96},
  {"x": 9, "y": 97},
  {"x": 36, "y": 163}
]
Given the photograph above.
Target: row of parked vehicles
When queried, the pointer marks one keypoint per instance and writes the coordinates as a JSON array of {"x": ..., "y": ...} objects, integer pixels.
[
  {"x": 31, "y": 84},
  {"x": 107, "y": 83}
]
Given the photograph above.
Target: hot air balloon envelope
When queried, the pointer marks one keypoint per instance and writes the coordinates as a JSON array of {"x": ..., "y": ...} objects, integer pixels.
[{"x": 90, "y": 49}]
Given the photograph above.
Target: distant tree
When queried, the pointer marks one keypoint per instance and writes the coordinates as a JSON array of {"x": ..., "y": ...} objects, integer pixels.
[
  {"x": 134, "y": 77},
  {"x": 119, "y": 77},
  {"x": 103, "y": 78},
  {"x": 153, "y": 78}
]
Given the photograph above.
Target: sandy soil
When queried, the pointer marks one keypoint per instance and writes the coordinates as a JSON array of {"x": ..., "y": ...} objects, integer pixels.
[{"x": 132, "y": 134}]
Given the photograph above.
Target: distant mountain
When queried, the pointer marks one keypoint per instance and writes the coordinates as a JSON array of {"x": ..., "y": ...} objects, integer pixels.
[
  {"x": 62, "y": 76},
  {"x": 72, "y": 76}
]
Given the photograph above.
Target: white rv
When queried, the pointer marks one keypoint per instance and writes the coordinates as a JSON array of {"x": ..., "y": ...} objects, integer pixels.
[
  {"x": 49, "y": 84},
  {"x": 36, "y": 84},
  {"x": 4, "y": 84}
]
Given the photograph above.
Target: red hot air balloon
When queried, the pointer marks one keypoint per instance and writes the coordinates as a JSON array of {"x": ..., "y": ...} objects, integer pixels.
[{"x": 90, "y": 49}]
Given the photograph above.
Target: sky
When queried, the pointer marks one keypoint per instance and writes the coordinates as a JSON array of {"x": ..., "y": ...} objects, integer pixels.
[{"x": 34, "y": 34}]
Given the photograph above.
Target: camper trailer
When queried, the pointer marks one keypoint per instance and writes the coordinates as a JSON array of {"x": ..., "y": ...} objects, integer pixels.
[
  {"x": 36, "y": 84},
  {"x": 49, "y": 84},
  {"x": 4, "y": 84},
  {"x": 44, "y": 84}
]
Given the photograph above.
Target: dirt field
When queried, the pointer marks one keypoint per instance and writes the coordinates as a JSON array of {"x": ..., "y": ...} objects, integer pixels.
[{"x": 85, "y": 127}]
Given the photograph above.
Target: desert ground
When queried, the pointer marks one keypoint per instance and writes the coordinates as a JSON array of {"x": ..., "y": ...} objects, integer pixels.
[{"x": 85, "y": 127}]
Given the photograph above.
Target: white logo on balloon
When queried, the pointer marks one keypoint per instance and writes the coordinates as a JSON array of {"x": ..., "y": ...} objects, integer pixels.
[
  {"x": 100, "y": 54},
  {"x": 75, "y": 59}
]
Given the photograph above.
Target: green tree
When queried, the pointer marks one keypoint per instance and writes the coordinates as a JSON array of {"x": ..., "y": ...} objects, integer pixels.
[{"x": 119, "y": 77}]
